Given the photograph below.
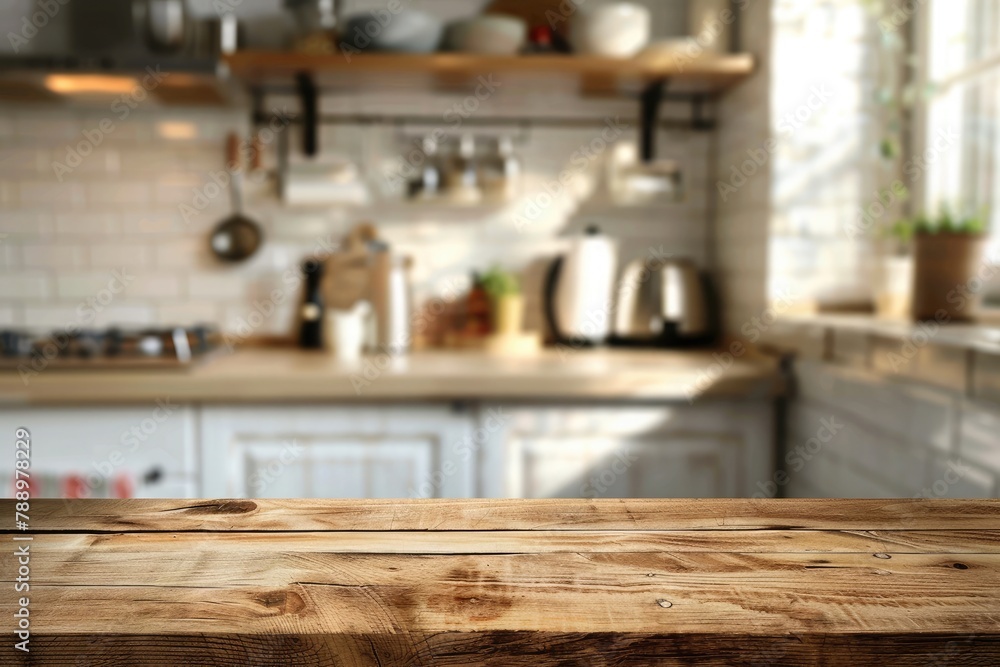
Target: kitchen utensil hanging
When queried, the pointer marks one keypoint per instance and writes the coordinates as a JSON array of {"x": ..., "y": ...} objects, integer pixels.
[{"x": 238, "y": 237}]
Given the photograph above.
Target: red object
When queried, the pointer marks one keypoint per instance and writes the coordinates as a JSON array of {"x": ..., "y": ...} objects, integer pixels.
[
  {"x": 122, "y": 486},
  {"x": 541, "y": 35},
  {"x": 75, "y": 486}
]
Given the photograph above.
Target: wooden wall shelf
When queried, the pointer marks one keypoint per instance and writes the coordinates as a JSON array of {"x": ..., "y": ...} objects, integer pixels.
[
  {"x": 705, "y": 75},
  {"x": 650, "y": 79}
]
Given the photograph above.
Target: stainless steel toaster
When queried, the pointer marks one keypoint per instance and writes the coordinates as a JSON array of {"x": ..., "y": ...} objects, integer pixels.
[{"x": 664, "y": 303}]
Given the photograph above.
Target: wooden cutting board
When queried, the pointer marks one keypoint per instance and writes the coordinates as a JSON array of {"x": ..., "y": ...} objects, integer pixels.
[{"x": 508, "y": 582}]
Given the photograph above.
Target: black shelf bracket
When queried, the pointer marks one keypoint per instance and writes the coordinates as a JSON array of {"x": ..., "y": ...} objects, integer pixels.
[
  {"x": 649, "y": 116},
  {"x": 310, "y": 113},
  {"x": 651, "y": 101},
  {"x": 698, "y": 119}
]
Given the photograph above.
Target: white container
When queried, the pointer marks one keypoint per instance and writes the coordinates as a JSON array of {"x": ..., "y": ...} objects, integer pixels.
[
  {"x": 616, "y": 30},
  {"x": 345, "y": 331},
  {"x": 711, "y": 24}
]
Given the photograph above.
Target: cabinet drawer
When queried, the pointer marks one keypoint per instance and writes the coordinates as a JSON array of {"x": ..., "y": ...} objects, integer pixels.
[{"x": 100, "y": 444}]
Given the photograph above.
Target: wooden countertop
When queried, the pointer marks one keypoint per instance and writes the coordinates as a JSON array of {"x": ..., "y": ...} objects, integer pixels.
[
  {"x": 982, "y": 337},
  {"x": 509, "y": 582},
  {"x": 283, "y": 375}
]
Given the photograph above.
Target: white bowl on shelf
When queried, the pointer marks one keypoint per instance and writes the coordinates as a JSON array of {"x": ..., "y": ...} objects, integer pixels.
[
  {"x": 490, "y": 34},
  {"x": 616, "y": 30}
]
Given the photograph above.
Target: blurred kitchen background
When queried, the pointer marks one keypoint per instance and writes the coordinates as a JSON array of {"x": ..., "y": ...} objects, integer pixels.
[{"x": 501, "y": 248}]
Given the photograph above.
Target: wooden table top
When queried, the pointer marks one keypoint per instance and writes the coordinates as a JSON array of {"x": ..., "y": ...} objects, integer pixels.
[
  {"x": 271, "y": 376},
  {"x": 508, "y": 582}
]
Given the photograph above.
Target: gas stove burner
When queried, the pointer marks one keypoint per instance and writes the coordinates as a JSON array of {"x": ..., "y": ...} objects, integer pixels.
[{"x": 118, "y": 347}]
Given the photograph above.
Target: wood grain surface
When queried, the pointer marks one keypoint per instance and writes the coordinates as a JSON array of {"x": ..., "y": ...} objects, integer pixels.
[{"x": 488, "y": 582}]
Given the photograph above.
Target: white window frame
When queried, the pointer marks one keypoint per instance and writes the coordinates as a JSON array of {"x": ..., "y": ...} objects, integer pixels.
[{"x": 919, "y": 127}]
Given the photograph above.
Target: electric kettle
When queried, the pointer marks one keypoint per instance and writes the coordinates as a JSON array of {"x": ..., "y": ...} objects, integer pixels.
[
  {"x": 667, "y": 305},
  {"x": 579, "y": 290}
]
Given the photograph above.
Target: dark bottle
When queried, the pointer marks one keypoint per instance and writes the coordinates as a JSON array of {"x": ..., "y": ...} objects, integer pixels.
[
  {"x": 478, "y": 320},
  {"x": 311, "y": 314}
]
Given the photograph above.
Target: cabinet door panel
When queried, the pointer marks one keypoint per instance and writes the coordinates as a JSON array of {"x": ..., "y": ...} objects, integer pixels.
[
  {"x": 573, "y": 467},
  {"x": 713, "y": 450},
  {"x": 364, "y": 452}
]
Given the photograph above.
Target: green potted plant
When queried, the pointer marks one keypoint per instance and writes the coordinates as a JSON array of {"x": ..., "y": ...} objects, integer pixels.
[
  {"x": 948, "y": 252},
  {"x": 504, "y": 290}
]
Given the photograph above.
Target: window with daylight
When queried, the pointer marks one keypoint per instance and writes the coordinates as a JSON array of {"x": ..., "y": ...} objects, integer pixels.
[{"x": 962, "y": 126}]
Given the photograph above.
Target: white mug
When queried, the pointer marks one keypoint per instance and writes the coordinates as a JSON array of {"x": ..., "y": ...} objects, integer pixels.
[{"x": 345, "y": 331}]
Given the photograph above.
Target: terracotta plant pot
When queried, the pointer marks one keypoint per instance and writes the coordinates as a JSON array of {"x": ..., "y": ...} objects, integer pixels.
[{"x": 945, "y": 268}]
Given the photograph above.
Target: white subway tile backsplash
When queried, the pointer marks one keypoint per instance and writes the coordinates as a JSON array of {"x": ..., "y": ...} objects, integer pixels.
[
  {"x": 126, "y": 314},
  {"x": 184, "y": 253},
  {"x": 44, "y": 127},
  {"x": 109, "y": 285},
  {"x": 219, "y": 286},
  {"x": 155, "y": 286},
  {"x": 21, "y": 161},
  {"x": 9, "y": 316},
  {"x": 26, "y": 224},
  {"x": 53, "y": 256},
  {"x": 119, "y": 192},
  {"x": 153, "y": 222},
  {"x": 188, "y": 312},
  {"x": 112, "y": 255},
  {"x": 53, "y": 316},
  {"x": 151, "y": 162},
  {"x": 121, "y": 207},
  {"x": 25, "y": 286},
  {"x": 86, "y": 224},
  {"x": 51, "y": 194},
  {"x": 260, "y": 319}
]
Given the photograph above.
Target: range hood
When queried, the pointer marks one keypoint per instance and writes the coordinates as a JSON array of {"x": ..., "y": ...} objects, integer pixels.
[{"x": 112, "y": 39}]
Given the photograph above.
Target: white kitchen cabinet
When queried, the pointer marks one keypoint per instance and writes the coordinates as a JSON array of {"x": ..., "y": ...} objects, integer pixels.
[
  {"x": 336, "y": 452},
  {"x": 708, "y": 450},
  {"x": 102, "y": 444}
]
